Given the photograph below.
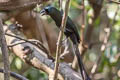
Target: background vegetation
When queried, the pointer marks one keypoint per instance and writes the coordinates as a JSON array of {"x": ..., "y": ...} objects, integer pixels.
[{"x": 101, "y": 34}]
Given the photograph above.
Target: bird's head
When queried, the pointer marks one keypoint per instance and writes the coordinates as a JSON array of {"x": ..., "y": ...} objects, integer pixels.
[{"x": 49, "y": 10}]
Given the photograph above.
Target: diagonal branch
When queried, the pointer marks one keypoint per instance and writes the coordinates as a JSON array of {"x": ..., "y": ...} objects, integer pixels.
[
  {"x": 34, "y": 42},
  {"x": 37, "y": 58}
]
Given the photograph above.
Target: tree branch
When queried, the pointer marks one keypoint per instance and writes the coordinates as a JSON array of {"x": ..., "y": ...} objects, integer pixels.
[
  {"x": 38, "y": 58},
  {"x": 4, "y": 53}
]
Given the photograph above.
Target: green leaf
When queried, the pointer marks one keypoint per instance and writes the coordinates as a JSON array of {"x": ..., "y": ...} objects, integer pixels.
[{"x": 18, "y": 63}]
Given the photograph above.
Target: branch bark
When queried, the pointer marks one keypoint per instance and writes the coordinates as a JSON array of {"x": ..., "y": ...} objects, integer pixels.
[{"x": 4, "y": 53}]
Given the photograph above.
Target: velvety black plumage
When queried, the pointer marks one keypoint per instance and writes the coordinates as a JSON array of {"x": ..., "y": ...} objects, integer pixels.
[{"x": 70, "y": 31}]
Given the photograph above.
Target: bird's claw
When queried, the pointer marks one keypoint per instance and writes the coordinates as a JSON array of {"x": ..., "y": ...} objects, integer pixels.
[{"x": 62, "y": 43}]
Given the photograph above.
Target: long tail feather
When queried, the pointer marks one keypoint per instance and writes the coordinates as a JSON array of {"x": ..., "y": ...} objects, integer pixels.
[
  {"x": 80, "y": 63},
  {"x": 79, "y": 59}
]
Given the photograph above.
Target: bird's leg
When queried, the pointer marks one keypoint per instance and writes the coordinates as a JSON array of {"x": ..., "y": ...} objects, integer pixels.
[
  {"x": 63, "y": 42},
  {"x": 66, "y": 51}
]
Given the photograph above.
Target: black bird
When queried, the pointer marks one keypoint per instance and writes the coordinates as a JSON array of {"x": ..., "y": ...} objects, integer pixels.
[{"x": 70, "y": 31}]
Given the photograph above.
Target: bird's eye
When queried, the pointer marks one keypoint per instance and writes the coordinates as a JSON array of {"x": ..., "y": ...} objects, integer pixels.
[{"x": 47, "y": 10}]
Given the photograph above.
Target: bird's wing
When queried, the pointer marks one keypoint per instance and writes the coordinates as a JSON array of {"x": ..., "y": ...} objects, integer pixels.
[{"x": 72, "y": 27}]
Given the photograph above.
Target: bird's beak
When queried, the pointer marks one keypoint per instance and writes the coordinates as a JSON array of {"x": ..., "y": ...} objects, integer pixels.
[{"x": 43, "y": 12}]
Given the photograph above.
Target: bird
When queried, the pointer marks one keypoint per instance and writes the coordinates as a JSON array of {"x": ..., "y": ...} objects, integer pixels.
[{"x": 70, "y": 31}]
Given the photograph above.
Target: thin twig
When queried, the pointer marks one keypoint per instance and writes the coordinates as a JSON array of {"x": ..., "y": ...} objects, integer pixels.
[
  {"x": 83, "y": 21},
  {"x": 4, "y": 52},
  {"x": 63, "y": 24},
  {"x": 12, "y": 45},
  {"x": 60, "y": 4},
  {"x": 32, "y": 42},
  {"x": 15, "y": 75}
]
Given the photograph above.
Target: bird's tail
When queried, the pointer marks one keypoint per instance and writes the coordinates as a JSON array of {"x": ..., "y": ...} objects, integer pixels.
[
  {"x": 80, "y": 63},
  {"x": 75, "y": 42}
]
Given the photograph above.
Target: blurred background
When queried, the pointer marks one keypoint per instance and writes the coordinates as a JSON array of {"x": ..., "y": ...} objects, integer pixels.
[{"x": 98, "y": 22}]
